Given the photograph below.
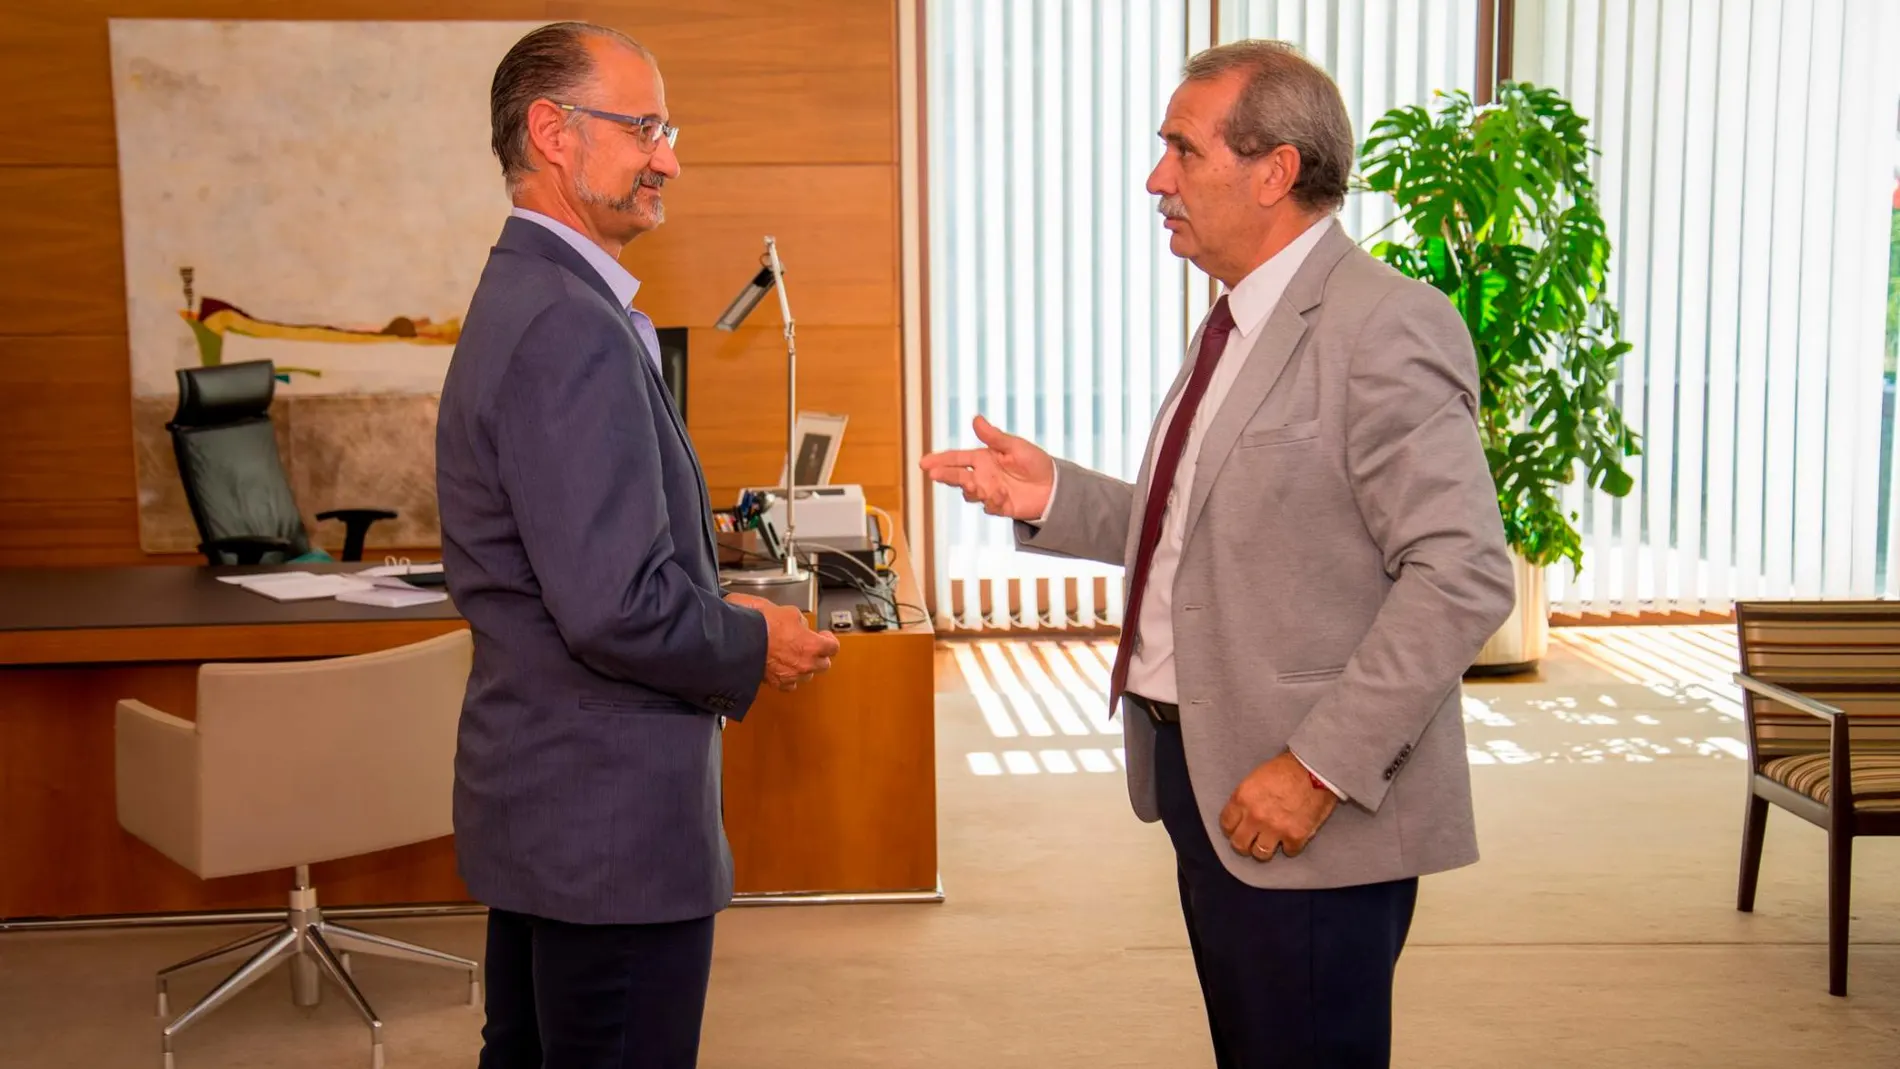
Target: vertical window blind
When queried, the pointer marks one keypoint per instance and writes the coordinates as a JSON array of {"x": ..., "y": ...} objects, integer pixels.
[
  {"x": 1056, "y": 309},
  {"x": 1747, "y": 171},
  {"x": 1747, "y": 174},
  {"x": 1383, "y": 54}
]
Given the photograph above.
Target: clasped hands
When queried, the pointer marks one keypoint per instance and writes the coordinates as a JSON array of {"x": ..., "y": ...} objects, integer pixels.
[
  {"x": 794, "y": 653},
  {"x": 1277, "y": 806}
]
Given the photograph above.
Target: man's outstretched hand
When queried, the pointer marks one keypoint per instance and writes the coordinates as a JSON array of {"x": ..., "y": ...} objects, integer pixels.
[{"x": 1010, "y": 476}]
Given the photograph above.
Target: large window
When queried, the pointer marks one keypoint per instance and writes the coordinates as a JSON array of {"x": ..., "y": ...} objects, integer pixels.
[
  {"x": 1747, "y": 173},
  {"x": 1383, "y": 53},
  {"x": 1056, "y": 309}
]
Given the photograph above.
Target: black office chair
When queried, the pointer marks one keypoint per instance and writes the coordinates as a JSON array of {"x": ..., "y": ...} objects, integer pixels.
[{"x": 234, "y": 479}]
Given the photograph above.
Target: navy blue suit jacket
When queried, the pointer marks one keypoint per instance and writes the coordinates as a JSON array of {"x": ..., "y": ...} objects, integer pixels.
[{"x": 577, "y": 541}]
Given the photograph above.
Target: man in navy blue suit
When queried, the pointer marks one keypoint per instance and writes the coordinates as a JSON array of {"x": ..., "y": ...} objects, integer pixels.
[{"x": 577, "y": 539}]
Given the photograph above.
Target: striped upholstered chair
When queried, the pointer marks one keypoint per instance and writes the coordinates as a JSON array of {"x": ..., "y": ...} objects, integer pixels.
[{"x": 1821, "y": 687}]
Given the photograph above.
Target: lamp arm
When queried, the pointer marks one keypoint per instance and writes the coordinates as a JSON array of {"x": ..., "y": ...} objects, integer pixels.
[{"x": 791, "y": 405}]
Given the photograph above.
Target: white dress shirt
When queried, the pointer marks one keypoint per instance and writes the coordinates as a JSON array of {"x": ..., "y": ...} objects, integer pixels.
[
  {"x": 620, "y": 281},
  {"x": 1151, "y": 668}
]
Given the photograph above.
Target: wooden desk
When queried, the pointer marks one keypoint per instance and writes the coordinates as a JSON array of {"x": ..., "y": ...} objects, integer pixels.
[{"x": 829, "y": 789}]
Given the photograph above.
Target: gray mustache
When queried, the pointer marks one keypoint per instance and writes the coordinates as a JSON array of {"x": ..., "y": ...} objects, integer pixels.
[{"x": 1172, "y": 208}]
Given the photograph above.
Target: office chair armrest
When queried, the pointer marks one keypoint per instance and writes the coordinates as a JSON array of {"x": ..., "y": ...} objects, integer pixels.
[
  {"x": 247, "y": 549},
  {"x": 155, "y": 764},
  {"x": 355, "y": 525}
]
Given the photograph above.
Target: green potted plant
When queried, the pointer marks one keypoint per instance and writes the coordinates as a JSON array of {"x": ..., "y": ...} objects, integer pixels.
[{"x": 1502, "y": 217}]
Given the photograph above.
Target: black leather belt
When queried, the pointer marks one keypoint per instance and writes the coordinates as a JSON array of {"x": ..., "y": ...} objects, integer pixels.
[{"x": 1159, "y": 712}]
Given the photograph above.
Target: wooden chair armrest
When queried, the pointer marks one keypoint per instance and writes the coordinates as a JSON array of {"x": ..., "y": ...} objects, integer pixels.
[
  {"x": 1839, "y": 748},
  {"x": 1791, "y": 699}
]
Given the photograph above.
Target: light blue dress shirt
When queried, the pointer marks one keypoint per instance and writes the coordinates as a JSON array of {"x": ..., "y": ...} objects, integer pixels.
[{"x": 619, "y": 281}]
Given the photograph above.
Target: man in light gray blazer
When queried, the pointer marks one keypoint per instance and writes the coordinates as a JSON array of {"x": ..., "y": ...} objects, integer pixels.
[
  {"x": 1314, "y": 555},
  {"x": 577, "y": 539}
]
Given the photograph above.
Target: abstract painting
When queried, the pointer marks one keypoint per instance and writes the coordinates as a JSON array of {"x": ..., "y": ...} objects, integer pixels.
[{"x": 320, "y": 195}]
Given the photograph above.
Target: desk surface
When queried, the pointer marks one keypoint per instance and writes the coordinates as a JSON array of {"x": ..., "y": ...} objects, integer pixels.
[
  {"x": 57, "y": 599},
  {"x": 830, "y": 788},
  {"x": 181, "y": 612}
]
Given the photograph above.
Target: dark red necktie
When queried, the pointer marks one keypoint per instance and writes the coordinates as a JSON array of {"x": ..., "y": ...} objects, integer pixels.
[{"x": 1220, "y": 323}]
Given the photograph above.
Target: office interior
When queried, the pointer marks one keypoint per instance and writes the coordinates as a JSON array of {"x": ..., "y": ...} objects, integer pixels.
[{"x": 935, "y": 860}]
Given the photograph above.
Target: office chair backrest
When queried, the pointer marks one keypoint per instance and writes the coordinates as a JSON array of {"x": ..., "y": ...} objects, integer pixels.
[
  {"x": 306, "y": 761},
  {"x": 227, "y": 457}
]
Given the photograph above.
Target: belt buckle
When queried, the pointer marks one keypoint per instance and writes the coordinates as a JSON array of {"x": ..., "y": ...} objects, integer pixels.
[{"x": 1152, "y": 710}]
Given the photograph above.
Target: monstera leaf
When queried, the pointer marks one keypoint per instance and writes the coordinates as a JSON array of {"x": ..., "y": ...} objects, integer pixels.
[{"x": 1502, "y": 218}]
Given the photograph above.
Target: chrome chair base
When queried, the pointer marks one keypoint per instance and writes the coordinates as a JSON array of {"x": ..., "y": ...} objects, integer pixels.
[{"x": 311, "y": 946}]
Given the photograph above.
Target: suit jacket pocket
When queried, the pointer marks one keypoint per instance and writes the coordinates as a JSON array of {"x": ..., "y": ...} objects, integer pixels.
[
  {"x": 596, "y": 704},
  {"x": 1311, "y": 675},
  {"x": 611, "y": 793},
  {"x": 1286, "y": 434}
]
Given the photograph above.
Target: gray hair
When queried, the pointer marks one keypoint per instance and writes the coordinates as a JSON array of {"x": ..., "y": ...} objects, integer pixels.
[
  {"x": 1286, "y": 101},
  {"x": 551, "y": 62}
]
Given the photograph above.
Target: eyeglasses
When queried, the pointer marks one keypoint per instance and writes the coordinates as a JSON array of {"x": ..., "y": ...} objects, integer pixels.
[{"x": 646, "y": 129}]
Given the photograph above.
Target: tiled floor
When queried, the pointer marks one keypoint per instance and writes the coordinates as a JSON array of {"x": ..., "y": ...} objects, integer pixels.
[{"x": 1603, "y": 693}]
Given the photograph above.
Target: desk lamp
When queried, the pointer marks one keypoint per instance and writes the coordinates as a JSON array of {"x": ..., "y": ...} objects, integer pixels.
[{"x": 792, "y": 584}]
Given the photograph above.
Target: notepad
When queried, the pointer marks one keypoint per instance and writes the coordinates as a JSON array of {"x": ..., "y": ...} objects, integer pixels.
[
  {"x": 393, "y": 597},
  {"x": 297, "y": 586},
  {"x": 384, "y": 570}
]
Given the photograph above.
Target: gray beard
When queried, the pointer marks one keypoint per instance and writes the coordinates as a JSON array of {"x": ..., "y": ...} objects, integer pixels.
[{"x": 626, "y": 203}]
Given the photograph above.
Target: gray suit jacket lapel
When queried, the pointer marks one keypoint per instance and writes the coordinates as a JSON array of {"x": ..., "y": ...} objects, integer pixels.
[{"x": 1265, "y": 361}]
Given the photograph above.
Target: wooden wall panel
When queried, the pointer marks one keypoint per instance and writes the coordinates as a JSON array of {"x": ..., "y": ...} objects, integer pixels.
[
  {"x": 788, "y": 114},
  {"x": 68, "y": 429},
  {"x": 62, "y": 259},
  {"x": 747, "y": 82},
  {"x": 751, "y": 82},
  {"x": 56, "y": 77},
  {"x": 736, "y": 402},
  {"x": 836, "y": 228}
]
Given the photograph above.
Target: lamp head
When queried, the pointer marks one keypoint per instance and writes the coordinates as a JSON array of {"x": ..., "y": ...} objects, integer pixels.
[{"x": 748, "y": 299}]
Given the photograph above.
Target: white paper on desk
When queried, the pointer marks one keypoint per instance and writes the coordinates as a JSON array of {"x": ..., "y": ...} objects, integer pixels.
[
  {"x": 297, "y": 586},
  {"x": 384, "y": 570},
  {"x": 266, "y": 578},
  {"x": 393, "y": 597}
]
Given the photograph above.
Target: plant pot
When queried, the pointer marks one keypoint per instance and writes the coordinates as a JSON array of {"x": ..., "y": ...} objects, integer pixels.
[{"x": 1525, "y": 637}]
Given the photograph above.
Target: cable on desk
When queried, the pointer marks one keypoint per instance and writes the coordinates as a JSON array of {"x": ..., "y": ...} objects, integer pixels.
[{"x": 824, "y": 566}]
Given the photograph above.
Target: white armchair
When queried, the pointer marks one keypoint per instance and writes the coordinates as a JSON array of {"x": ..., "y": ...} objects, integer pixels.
[{"x": 289, "y": 764}]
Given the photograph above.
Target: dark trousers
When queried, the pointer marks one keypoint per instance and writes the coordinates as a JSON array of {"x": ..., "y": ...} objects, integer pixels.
[
  {"x": 594, "y": 996},
  {"x": 1291, "y": 978}
]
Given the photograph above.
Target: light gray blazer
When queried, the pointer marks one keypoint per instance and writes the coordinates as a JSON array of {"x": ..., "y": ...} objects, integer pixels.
[{"x": 1343, "y": 563}]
